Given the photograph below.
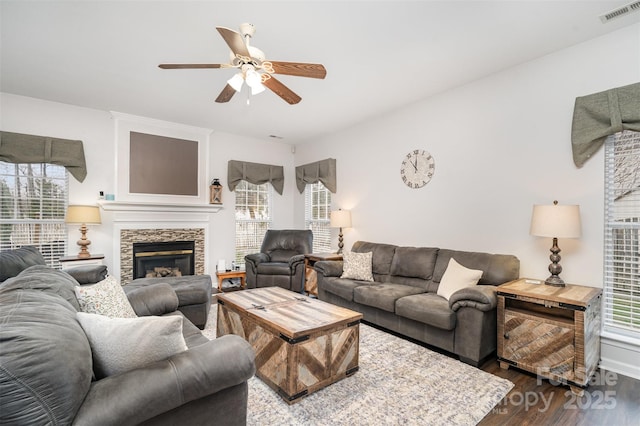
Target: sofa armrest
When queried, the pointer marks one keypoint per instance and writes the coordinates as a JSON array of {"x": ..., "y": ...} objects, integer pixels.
[
  {"x": 144, "y": 393},
  {"x": 87, "y": 274},
  {"x": 329, "y": 268},
  {"x": 481, "y": 297},
  {"x": 155, "y": 299},
  {"x": 256, "y": 258},
  {"x": 296, "y": 260}
]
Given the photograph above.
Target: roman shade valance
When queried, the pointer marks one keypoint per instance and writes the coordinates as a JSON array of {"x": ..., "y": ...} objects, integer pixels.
[
  {"x": 22, "y": 148},
  {"x": 602, "y": 114},
  {"x": 255, "y": 173},
  {"x": 320, "y": 171}
]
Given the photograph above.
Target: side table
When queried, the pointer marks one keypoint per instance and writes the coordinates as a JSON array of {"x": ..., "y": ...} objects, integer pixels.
[
  {"x": 310, "y": 277},
  {"x": 553, "y": 332},
  {"x": 71, "y": 261},
  {"x": 231, "y": 274}
]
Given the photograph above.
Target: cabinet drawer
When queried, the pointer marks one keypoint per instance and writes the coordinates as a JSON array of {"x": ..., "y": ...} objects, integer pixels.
[{"x": 542, "y": 344}]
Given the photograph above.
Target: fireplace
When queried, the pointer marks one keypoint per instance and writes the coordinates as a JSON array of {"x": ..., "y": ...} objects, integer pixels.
[
  {"x": 163, "y": 259},
  {"x": 131, "y": 236}
]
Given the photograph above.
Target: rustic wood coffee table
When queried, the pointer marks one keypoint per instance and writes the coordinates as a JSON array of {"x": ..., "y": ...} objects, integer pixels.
[{"x": 302, "y": 344}]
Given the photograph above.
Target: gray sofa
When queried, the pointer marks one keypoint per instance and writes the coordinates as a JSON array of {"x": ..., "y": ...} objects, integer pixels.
[
  {"x": 403, "y": 296},
  {"x": 46, "y": 366}
]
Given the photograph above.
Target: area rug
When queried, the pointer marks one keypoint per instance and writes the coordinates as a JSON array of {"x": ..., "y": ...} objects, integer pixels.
[{"x": 399, "y": 383}]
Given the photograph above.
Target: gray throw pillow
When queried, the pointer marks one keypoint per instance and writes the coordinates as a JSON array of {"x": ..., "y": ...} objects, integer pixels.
[{"x": 124, "y": 344}]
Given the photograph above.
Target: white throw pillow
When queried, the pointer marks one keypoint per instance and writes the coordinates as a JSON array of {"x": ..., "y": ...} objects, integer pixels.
[
  {"x": 123, "y": 344},
  {"x": 105, "y": 298},
  {"x": 357, "y": 266},
  {"x": 457, "y": 277}
]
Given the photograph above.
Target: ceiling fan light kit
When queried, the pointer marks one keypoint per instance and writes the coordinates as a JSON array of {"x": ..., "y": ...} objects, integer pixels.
[{"x": 256, "y": 72}]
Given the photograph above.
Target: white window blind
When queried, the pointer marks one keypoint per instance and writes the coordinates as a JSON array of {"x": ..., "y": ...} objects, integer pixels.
[
  {"x": 33, "y": 202},
  {"x": 253, "y": 217},
  {"x": 622, "y": 227},
  {"x": 317, "y": 211}
]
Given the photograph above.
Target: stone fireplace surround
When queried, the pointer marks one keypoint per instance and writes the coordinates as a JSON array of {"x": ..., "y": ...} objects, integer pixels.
[
  {"x": 152, "y": 222},
  {"x": 130, "y": 236}
]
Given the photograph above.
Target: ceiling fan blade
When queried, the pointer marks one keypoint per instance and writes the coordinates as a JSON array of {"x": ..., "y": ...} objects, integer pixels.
[
  {"x": 235, "y": 41},
  {"x": 226, "y": 94},
  {"x": 281, "y": 90},
  {"x": 183, "y": 66},
  {"x": 299, "y": 69}
]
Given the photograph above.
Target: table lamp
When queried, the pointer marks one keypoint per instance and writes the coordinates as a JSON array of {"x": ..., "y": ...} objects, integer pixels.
[
  {"x": 555, "y": 221},
  {"x": 83, "y": 215},
  {"x": 340, "y": 219}
]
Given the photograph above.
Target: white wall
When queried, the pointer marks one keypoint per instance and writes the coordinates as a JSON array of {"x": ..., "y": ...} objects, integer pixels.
[
  {"x": 501, "y": 144},
  {"x": 97, "y": 131}
]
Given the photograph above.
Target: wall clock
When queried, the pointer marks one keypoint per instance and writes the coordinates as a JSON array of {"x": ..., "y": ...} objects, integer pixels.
[{"x": 417, "y": 168}]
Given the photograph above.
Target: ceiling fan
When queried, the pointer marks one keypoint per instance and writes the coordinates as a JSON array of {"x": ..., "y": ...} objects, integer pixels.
[{"x": 254, "y": 70}]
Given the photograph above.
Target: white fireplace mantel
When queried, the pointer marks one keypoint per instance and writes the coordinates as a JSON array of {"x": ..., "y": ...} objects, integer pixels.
[{"x": 133, "y": 206}]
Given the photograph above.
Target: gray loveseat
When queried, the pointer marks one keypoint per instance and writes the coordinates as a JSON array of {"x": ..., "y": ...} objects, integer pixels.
[
  {"x": 403, "y": 296},
  {"x": 46, "y": 367}
]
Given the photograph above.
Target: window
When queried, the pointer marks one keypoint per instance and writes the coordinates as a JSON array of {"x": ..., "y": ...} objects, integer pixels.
[
  {"x": 253, "y": 217},
  {"x": 622, "y": 226},
  {"x": 33, "y": 201},
  {"x": 317, "y": 208}
]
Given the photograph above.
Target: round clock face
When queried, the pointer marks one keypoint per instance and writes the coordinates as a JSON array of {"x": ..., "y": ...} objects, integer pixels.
[{"x": 417, "y": 168}]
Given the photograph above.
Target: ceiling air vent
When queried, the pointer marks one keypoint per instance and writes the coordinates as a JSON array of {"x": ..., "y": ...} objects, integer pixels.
[{"x": 634, "y": 6}]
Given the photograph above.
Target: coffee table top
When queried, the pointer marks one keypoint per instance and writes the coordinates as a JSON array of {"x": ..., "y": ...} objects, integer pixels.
[{"x": 291, "y": 314}]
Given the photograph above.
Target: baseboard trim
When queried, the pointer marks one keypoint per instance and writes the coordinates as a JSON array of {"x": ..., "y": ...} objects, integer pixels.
[{"x": 619, "y": 357}]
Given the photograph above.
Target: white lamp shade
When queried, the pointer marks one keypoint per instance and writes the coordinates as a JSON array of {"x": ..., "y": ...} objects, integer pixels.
[
  {"x": 556, "y": 221},
  {"x": 340, "y": 219},
  {"x": 236, "y": 82},
  {"x": 257, "y": 88},
  {"x": 82, "y": 214},
  {"x": 252, "y": 78}
]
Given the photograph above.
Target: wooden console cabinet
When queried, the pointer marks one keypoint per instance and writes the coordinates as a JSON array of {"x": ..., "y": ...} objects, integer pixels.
[{"x": 553, "y": 332}]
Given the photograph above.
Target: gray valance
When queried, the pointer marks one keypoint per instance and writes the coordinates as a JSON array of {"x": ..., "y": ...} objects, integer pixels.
[
  {"x": 255, "y": 173},
  {"x": 21, "y": 148},
  {"x": 602, "y": 114},
  {"x": 323, "y": 171}
]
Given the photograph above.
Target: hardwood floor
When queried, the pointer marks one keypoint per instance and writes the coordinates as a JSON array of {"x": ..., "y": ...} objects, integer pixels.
[{"x": 611, "y": 399}]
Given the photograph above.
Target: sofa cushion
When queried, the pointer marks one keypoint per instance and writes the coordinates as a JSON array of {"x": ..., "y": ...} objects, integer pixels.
[
  {"x": 497, "y": 268},
  {"x": 383, "y": 296},
  {"x": 45, "y": 359},
  {"x": 382, "y": 256},
  {"x": 12, "y": 262},
  {"x": 105, "y": 298},
  {"x": 274, "y": 268},
  {"x": 341, "y": 287},
  {"x": 457, "y": 277},
  {"x": 190, "y": 289},
  {"x": 357, "y": 266},
  {"x": 427, "y": 308},
  {"x": 88, "y": 274},
  {"x": 414, "y": 262},
  {"x": 47, "y": 280},
  {"x": 123, "y": 344}
]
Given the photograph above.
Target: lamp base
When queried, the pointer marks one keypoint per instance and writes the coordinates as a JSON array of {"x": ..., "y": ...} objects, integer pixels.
[
  {"x": 555, "y": 281},
  {"x": 555, "y": 268},
  {"x": 340, "y": 242},
  {"x": 83, "y": 242}
]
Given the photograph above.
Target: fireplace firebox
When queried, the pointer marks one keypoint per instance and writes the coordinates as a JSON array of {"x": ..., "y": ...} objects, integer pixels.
[{"x": 163, "y": 259}]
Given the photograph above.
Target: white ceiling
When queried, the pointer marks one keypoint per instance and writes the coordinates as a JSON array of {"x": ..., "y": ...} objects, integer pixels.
[{"x": 379, "y": 55}]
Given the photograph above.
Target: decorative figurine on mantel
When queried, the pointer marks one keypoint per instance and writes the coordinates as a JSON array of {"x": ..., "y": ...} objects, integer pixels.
[{"x": 215, "y": 192}]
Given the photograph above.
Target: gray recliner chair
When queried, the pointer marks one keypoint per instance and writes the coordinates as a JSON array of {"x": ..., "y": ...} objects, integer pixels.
[{"x": 281, "y": 260}]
